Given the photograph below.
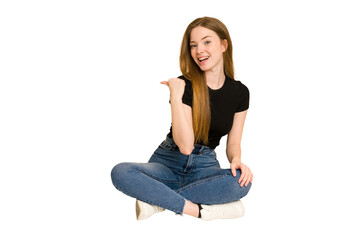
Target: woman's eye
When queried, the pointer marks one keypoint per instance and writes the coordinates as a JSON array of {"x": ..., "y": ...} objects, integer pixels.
[
  {"x": 207, "y": 42},
  {"x": 193, "y": 46}
]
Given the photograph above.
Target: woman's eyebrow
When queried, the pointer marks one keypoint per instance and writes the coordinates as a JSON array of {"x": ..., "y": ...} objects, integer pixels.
[{"x": 201, "y": 39}]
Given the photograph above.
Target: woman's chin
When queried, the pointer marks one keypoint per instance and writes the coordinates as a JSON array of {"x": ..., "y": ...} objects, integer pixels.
[{"x": 203, "y": 68}]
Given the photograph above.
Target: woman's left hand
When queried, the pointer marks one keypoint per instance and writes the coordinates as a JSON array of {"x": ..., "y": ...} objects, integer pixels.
[{"x": 246, "y": 176}]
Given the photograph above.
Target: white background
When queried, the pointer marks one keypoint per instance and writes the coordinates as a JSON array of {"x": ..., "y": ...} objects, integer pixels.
[{"x": 80, "y": 93}]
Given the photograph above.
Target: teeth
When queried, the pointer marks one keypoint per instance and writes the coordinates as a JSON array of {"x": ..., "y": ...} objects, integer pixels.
[{"x": 201, "y": 59}]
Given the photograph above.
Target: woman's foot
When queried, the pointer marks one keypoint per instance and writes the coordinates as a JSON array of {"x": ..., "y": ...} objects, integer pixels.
[
  {"x": 222, "y": 211},
  {"x": 145, "y": 210}
]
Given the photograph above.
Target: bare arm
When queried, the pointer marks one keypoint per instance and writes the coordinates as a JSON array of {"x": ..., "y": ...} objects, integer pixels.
[
  {"x": 233, "y": 146},
  {"x": 182, "y": 129},
  {"x": 181, "y": 116},
  {"x": 233, "y": 149}
]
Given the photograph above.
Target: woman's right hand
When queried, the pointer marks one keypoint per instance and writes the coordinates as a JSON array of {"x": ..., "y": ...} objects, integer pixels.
[{"x": 176, "y": 87}]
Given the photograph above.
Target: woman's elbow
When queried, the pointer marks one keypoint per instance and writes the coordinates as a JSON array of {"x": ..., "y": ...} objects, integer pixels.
[
  {"x": 185, "y": 146},
  {"x": 186, "y": 150}
]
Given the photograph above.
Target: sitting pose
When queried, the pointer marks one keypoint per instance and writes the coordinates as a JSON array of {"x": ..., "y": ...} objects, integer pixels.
[{"x": 183, "y": 175}]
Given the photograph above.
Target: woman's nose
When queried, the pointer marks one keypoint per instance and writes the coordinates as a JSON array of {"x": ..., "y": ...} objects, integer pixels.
[{"x": 199, "y": 49}]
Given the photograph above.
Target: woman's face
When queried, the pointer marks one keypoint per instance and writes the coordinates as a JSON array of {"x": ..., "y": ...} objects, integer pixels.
[{"x": 207, "y": 48}]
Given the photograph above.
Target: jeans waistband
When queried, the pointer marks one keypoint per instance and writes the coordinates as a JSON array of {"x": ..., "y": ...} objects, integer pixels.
[{"x": 198, "y": 149}]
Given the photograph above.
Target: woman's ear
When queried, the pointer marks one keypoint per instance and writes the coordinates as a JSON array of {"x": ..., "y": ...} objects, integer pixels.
[{"x": 224, "y": 44}]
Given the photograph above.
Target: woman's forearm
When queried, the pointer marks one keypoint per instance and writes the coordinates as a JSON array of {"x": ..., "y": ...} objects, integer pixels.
[
  {"x": 182, "y": 129},
  {"x": 233, "y": 152}
]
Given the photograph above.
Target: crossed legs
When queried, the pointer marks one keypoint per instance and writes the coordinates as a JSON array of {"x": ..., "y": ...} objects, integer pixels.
[{"x": 156, "y": 184}]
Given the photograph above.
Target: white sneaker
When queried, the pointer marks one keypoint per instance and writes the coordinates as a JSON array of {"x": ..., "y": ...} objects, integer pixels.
[
  {"x": 145, "y": 210},
  {"x": 222, "y": 211}
]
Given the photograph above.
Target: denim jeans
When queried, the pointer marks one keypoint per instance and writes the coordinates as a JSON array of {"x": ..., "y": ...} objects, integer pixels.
[{"x": 170, "y": 178}]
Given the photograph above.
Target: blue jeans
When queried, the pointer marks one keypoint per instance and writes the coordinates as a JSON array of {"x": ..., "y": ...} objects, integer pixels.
[{"x": 170, "y": 178}]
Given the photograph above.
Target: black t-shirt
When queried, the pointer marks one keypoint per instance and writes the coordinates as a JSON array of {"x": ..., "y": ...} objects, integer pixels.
[{"x": 232, "y": 97}]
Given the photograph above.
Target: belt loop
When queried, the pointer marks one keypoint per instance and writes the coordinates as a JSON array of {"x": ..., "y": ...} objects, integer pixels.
[{"x": 201, "y": 149}]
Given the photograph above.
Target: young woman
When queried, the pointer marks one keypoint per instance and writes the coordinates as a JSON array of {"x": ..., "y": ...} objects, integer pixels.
[{"x": 183, "y": 174}]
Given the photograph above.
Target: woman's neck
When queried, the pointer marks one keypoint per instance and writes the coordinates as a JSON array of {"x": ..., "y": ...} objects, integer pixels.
[{"x": 215, "y": 78}]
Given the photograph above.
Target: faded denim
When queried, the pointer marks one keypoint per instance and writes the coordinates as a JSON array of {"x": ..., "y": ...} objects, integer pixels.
[{"x": 170, "y": 178}]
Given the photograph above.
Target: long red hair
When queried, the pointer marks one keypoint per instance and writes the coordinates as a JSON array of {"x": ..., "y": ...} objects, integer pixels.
[{"x": 201, "y": 104}]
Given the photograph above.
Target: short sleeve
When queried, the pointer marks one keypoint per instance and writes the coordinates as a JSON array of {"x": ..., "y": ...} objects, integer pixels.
[
  {"x": 188, "y": 92},
  {"x": 244, "y": 97}
]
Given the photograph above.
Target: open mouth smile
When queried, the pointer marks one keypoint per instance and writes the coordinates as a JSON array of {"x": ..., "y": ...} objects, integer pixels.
[{"x": 202, "y": 59}]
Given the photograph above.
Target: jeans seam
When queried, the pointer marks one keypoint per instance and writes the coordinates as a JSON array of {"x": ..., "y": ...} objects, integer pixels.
[
  {"x": 148, "y": 201},
  {"x": 158, "y": 179},
  {"x": 151, "y": 202},
  {"x": 201, "y": 181},
  {"x": 214, "y": 176}
]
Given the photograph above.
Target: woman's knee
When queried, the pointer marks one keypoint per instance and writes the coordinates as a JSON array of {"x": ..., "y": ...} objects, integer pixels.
[
  {"x": 241, "y": 191},
  {"x": 120, "y": 173},
  {"x": 245, "y": 190}
]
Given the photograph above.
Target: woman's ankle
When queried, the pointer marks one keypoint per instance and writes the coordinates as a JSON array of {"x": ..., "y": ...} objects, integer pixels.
[{"x": 191, "y": 209}]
